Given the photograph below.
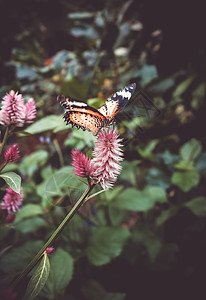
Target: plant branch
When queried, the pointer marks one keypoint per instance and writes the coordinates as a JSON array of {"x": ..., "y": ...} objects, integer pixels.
[{"x": 4, "y": 139}]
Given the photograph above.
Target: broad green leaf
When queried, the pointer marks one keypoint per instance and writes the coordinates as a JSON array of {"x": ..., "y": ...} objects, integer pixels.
[
  {"x": 117, "y": 215},
  {"x": 144, "y": 200},
  {"x": 62, "y": 183},
  {"x": 197, "y": 206},
  {"x": 32, "y": 162},
  {"x": 93, "y": 291},
  {"x": 30, "y": 225},
  {"x": 191, "y": 150},
  {"x": 61, "y": 271},
  {"x": 18, "y": 258},
  {"x": 105, "y": 244},
  {"x": 51, "y": 122},
  {"x": 38, "y": 279},
  {"x": 29, "y": 210},
  {"x": 186, "y": 180},
  {"x": 13, "y": 180}
]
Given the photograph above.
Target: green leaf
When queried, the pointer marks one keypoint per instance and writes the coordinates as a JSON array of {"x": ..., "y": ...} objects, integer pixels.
[
  {"x": 30, "y": 225},
  {"x": 186, "y": 180},
  {"x": 38, "y": 279},
  {"x": 191, "y": 150},
  {"x": 105, "y": 244},
  {"x": 29, "y": 210},
  {"x": 51, "y": 122},
  {"x": 182, "y": 87},
  {"x": 31, "y": 163},
  {"x": 93, "y": 291},
  {"x": 18, "y": 258},
  {"x": 165, "y": 215},
  {"x": 61, "y": 271},
  {"x": 147, "y": 151},
  {"x": 13, "y": 180},
  {"x": 185, "y": 165},
  {"x": 144, "y": 200},
  {"x": 197, "y": 206},
  {"x": 62, "y": 182}
]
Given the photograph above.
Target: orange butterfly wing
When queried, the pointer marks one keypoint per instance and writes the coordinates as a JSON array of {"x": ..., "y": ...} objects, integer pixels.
[{"x": 81, "y": 115}]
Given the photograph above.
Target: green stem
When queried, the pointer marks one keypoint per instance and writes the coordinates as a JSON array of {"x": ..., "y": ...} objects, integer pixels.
[
  {"x": 59, "y": 152},
  {"x": 4, "y": 139},
  {"x": 53, "y": 237}
]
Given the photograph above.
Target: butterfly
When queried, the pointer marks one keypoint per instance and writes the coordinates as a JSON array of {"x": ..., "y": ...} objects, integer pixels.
[{"x": 83, "y": 116}]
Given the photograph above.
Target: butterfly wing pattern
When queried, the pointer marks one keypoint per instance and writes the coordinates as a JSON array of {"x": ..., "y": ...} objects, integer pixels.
[{"x": 83, "y": 116}]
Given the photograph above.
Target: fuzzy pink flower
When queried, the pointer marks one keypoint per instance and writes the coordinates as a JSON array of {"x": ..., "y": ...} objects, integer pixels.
[
  {"x": 12, "y": 201},
  {"x": 107, "y": 157},
  {"x": 12, "y": 154},
  {"x": 12, "y": 111},
  {"x": 83, "y": 166},
  {"x": 30, "y": 111}
]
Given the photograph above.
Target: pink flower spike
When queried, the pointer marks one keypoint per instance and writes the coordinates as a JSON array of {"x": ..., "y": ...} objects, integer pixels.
[
  {"x": 12, "y": 201},
  {"x": 49, "y": 250},
  {"x": 12, "y": 110},
  {"x": 12, "y": 154},
  {"x": 30, "y": 111},
  {"x": 107, "y": 157},
  {"x": 83, "y": 166}
]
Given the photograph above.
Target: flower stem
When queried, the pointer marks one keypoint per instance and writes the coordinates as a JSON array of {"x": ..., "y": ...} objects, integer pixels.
[
  {"x": 4, "y": 139},
  {"x": 53, "y": 237}
]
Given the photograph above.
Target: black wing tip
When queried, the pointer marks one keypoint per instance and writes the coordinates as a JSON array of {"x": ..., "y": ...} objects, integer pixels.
[{"x": 61, "y": 99}]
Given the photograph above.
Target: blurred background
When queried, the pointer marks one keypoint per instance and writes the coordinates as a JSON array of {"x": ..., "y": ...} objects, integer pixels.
[{"x": 146, "y": 237}]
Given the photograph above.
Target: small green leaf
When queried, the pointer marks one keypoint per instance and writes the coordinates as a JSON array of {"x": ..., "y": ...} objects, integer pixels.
[
  {"x": 191, "y": 150},
  {"x": 61, "y": 271},
  {"x": 144, "y": 200},
  {"x": 105, "y": 244},
  {"x": 147, "y": 151},
  {"x": 185, "y": 165},
  {"x": 13, "y": 180},
  {"x": 38, "y": 279},
  {"x": 165, "y": 215},
  {"x": 197, "y": 206},
  {"x": 183, "y": 86},
  {"x": 186, "y": 180}
]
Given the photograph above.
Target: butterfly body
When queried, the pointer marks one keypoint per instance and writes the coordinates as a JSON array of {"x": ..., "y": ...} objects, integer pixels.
[{"x": 83, "y": 116}]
